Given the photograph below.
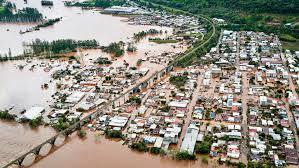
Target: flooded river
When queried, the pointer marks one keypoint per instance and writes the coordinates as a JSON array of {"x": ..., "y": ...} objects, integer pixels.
[
  {"x": 21, "y": 89},
  {"x": 76, "y": 24},
  {"x": 17, "y": 138},
  {"x": 99, "y": 152}
]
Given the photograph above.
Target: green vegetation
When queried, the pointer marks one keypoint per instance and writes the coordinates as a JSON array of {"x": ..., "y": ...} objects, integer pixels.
[
  {"x": 210, "y": 6},
  {"x": 36, "y": 122},
  {"x": 47, "y": 3},
  {"x": 178, "y": 81},
  {"x": 102, "y": 61},
  {"x": 61, "y": 46},
  {"x": 287, "y": 37},
  {"x": 131, "y": 47},
  {"x": 4, "y": 115},
  {"x": 219, "y": 110},
  {"x": 62, "y": 124},
  {"x": 139, "y": 62},
  {"x": 113, "y": 134},
  {"x": 8, "y": 14},
  {"x": 201, "y": 48},
  {"x": 2, "y": 10},
  {"x": 230, "y": 163},
  {"x": 61, "y": 73},
  {"x": 134, "y": 99},
  {"x": 293, "y": 46},
  {"x": 49, "y": 22},
  {"x": 268, "y": 16},
  {"x": 205, "y": 159},
  {"x": 115, "y": 48},
  {"x": 204, "y": 146},
  {"x": 81, "y": 133},
  {"x": 96, "y": 3},
  {"x": 164, "y": 108},
  {"x": 184, "y": 156},
  {"x": 188, "y": 36},
  {"x": 162, "y": 41},
  {"x": 140, "y": 35},
  {"x": 139, "y": 146},
  {"x": 156, "y": 151},
  {"x": 266, "y": 164}
]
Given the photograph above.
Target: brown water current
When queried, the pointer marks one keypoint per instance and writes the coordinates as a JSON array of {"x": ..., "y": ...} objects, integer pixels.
[
  {"x": 95, "y": 152},
  {"x": 21, "y": 89},
  {"x": 76, "y": 24}
]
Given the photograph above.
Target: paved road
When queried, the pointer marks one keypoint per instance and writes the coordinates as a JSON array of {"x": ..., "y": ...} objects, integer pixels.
[
  {"x": 290, "y": 114},
  {"x": 109, "y": 103},
  {"x": 188, "y": 116},
  {"x": 244, "y": 99}
]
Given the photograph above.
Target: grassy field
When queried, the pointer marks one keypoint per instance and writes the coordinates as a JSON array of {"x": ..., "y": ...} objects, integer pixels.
[{"x": 291, "y": 45}]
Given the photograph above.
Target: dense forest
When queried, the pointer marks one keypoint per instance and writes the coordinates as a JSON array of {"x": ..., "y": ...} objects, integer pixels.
[
  {"x": 255, "y": 6},
  {"x": 96, "y": 3},
  {"x": 9, "y": 13},
  {"x": 60, "y": 46}
]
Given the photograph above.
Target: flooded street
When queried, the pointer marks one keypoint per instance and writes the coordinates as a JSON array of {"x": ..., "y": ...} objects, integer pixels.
[{"x": 21, "y": 89}]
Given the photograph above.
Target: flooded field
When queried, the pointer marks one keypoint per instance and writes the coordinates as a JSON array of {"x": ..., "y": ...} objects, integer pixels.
[
  {"x": 99, "y": 152},
  {"x": 76, "y": 24},
  {"x": 21, "y": 89}
]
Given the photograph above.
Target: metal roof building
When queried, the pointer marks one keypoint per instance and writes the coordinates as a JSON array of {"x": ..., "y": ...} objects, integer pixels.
[{"x": 190, "y": 138}]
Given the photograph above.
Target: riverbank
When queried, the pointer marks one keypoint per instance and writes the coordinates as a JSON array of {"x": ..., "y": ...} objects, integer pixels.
[
  {"x": 88, "y": 79},
  {"x": 18, "y": 138},
  {"x": 100, "y": 152}
]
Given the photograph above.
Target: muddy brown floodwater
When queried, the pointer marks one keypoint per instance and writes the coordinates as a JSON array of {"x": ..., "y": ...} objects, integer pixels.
[
  {"x": 76, "y": 24},
  {"x": 18, "y": 138},
  {"x": 100, "y": 152},
  {"x": 22, "y": 89}
]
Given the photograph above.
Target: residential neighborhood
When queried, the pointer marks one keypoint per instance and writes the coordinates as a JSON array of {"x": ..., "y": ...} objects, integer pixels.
[{"x": 160, "y": 83}]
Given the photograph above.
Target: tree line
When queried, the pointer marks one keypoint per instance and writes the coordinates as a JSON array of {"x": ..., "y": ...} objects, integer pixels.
[
  {"x": 268, "y": 16},
  {"x": 140, "y": 35},
  {"x": 60, "y": 46},
  {"x": 255, "y": 6},
  {"x": 27, "y": 14},
  {"x": 96, "y": 3},
  {"x": 115, "y": 48}
]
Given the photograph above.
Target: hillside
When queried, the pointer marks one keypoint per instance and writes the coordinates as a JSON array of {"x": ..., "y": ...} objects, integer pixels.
[
  {"x": 269, "y": 16},
  {"x": 259, "y": 6}
]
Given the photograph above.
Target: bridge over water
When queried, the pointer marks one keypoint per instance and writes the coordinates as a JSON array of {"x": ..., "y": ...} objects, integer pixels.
[{"x": 57, "y": 140}]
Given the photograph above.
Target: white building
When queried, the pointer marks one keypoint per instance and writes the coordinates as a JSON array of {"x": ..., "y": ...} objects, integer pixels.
[
  {"x": 190, "y": 139},
  {"x": 33, "y": 113}
]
